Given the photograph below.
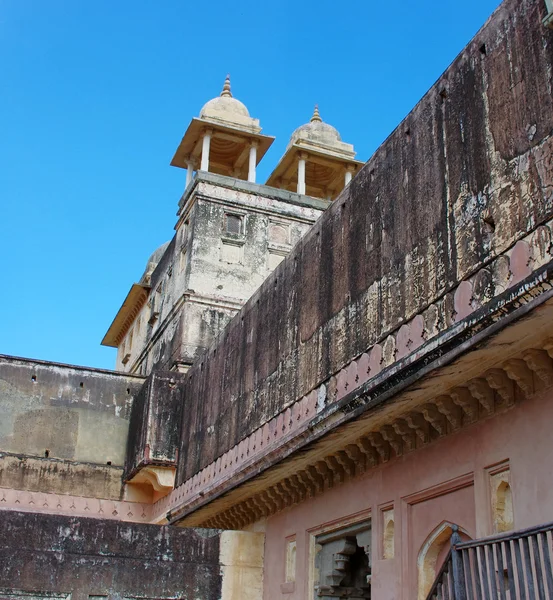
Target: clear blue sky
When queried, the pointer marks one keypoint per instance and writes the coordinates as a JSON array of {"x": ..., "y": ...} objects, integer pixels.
[{"x": 94, "y": 99}]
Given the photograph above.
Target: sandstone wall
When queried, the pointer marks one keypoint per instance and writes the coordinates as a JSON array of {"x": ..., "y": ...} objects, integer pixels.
[
  {"x": 63, "y": 429},
  {"x": 464, "y": 177},
  {"x": 48, "y": 556}
]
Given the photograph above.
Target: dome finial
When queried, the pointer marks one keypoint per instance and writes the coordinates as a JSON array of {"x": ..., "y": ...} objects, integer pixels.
[
  {"x": 316, "y": 116},
  {"x": 226, "y": 88}
]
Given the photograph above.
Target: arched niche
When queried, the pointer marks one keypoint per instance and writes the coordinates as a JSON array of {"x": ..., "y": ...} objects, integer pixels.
[
  {"x": 503, "y": 507},
  {"x": 388, "y": 539},
  {"x": 432, "y": 555}
]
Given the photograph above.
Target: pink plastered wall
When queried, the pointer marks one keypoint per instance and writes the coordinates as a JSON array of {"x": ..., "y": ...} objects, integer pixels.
[{"x": 446, "y": 481}]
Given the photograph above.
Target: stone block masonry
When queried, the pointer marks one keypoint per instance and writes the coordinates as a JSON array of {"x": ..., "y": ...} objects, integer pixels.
[
  {"x": 63, "y": 428},
  {"x": 49, "y": 556}
]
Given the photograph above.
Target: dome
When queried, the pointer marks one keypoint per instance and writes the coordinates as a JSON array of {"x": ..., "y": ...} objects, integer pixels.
[
  {"x": 224, "y": 107},
  {"x": 317, "y": 131},
  {"x": 153, "y": 262}
]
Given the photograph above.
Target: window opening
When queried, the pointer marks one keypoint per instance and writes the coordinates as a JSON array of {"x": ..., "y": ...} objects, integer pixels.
[
  {"x": 344, "y": 563},
  {"x": 233, "y": 224}
]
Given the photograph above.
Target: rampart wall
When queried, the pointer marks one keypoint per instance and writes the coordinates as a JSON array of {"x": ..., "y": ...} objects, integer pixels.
[
  {"x": 464, "y": 177},
  {"x": 63, "y": 429}
]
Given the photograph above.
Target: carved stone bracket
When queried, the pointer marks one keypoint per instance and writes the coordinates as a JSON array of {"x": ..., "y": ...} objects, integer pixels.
[
  {"x": 463, "y": 398},
  {"x": 500, "y": 381},
  {"x": 478, "y": 398},
  {"x": 519, "y": 372}
]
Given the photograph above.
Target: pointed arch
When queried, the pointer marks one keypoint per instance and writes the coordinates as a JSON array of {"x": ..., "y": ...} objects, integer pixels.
[
  {"x": 503, "y": 517},
  {"x": 388, "y": 539},
  {"x": 432, "y": 554}
]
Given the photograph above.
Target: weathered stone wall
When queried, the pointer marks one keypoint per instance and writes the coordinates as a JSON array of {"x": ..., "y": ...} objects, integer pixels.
[
  {"x": 44, "y": 556},
  {"x": 207, "y": 273},
  {"x": 154, "y": 432},
  {"x": 467, "y": 174},
  {"x": 63, "y": 429}
]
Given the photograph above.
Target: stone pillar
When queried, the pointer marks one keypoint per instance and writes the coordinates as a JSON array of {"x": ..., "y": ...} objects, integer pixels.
[
  {"x": 301, "y": 174},
  {"x": 253, "y": 162},
  {"x": 349, "y": 175},
  {"x": 205, "y": 150},
  {"x": 189, "y": 172}
]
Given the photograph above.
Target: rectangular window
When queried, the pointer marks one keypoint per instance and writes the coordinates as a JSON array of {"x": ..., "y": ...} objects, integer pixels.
[
  {"x": 345, "y": 549},
  {"x": 233, "y": 224}
]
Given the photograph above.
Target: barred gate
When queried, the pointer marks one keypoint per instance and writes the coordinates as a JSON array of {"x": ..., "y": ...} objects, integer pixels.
[{"x": 512, "y": 566}]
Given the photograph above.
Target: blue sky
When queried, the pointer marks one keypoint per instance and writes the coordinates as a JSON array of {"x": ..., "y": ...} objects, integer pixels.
[{"x": 94, "y": 99}]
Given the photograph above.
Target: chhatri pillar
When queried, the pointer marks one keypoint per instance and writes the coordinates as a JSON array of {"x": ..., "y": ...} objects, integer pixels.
[
  {"x": 316, "y": 161},
  {"x": 224, "y": 140}
]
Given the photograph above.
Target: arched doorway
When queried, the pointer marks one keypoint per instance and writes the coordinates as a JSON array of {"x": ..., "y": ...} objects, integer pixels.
[{"x": 432, "y": 555}]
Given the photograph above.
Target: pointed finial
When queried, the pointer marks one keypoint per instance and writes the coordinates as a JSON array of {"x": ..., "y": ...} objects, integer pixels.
[
  {"x": 316, "y": 116},
  {"x": 226, "y": 88}
]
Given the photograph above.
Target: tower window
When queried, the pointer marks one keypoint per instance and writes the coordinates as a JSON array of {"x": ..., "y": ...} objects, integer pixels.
[{"x": 233, "y": 224}]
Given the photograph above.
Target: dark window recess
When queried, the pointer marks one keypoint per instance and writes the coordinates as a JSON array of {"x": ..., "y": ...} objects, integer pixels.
[{"x": 233, "y": 224}]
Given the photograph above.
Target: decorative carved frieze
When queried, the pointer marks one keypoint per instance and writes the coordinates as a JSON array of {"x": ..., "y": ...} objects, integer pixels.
[
  {"x": 380, "y": 444},
  {"x": 419, "y": 424},
  {"x": 369, "y": 451},
  {"x": 437, "y": 420},
  {"x": 453, "y": 413},
  {"x": 407, "y": 434},
  {"x": 392, "y": 438}
]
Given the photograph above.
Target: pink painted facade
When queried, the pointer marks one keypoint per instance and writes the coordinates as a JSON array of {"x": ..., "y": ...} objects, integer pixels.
[{"x": 447, "y": 481}]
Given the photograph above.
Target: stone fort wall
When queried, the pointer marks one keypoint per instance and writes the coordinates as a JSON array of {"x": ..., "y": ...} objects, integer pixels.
[
  {"x": 63, "y": 429},
  {"x": 434, "y": 216}
]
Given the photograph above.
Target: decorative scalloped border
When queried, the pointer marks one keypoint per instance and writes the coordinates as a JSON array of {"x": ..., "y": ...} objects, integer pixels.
[{"x": 75, "y": 506}]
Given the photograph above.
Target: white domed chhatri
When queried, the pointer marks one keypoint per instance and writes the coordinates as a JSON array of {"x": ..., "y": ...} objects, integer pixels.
[
  {"x": 225, "y": 108},
  {"x": 224, "y": 139},
  {"x": 316, "y": 161},
  {"x": 317, "y": 131}
]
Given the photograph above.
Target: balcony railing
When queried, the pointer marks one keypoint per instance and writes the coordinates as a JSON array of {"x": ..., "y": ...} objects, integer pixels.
[{"x": 512, "y": 566}]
